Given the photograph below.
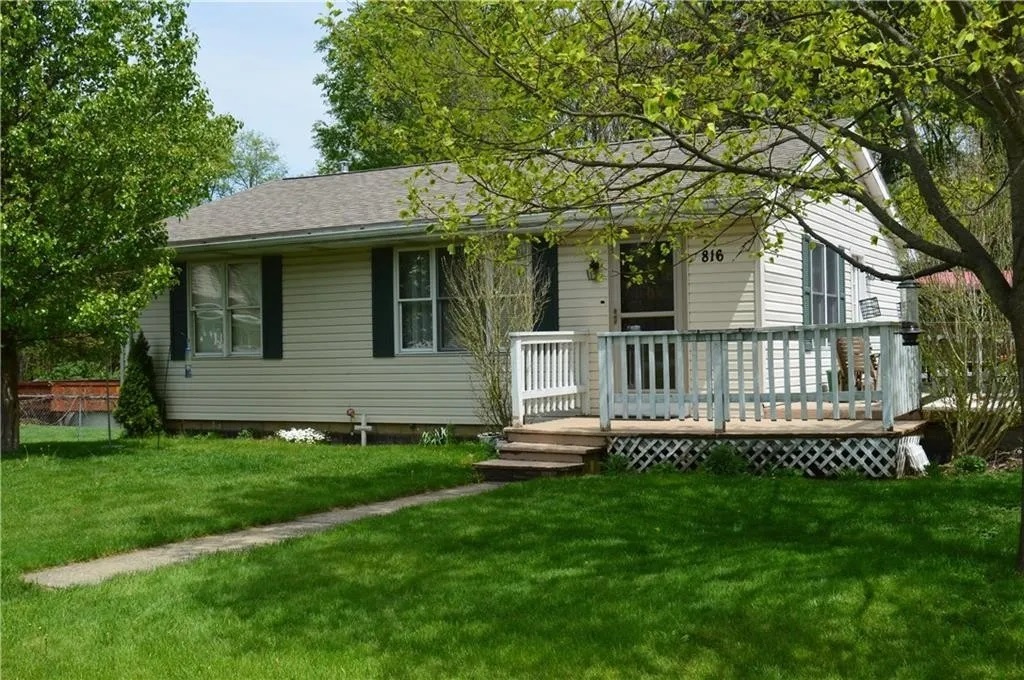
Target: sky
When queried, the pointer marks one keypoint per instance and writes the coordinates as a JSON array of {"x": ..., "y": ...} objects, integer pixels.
[{"x": 258, "y": 61}]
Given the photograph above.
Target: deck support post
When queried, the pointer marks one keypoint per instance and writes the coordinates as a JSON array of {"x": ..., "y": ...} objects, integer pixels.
[
  {"x": 718, "y": 371},
  {"x": 604, "y": 383},
  {"x": 582, "y": 355},
  {"x": 889, "y": 379},
  {"x": 516, "y": 369}
]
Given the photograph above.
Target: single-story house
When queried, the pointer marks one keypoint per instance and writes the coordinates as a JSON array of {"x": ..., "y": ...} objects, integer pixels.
[{"x": 289, "y": 305}]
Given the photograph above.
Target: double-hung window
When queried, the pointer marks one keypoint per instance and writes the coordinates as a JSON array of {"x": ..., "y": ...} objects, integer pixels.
[
  {"x": 424, "y": 301},
  {"x": 825, "y": 282},
  {"x": 225, "y": 312}
]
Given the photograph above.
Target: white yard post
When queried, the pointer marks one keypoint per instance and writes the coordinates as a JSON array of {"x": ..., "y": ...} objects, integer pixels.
[{"x": 362, "y": 428}]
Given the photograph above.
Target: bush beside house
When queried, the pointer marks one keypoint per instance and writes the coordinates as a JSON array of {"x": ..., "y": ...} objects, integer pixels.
[{"x": 139, "y": 409}]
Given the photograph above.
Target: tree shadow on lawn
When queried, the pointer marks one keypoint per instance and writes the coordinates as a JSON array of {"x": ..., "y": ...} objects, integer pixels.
[
  {"x": 79, "y": 449},
  {"x": 244, "y": 505},
  {"x": 648, "y": 576},
  {"x": 320, "y": 493}
]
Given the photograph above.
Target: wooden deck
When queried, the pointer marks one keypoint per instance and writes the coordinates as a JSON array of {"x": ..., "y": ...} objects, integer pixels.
[{"x": 704, "y": 429}]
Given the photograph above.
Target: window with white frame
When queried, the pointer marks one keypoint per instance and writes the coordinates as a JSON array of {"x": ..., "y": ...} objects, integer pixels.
[
  {"x": 827, "y": 283},
  {"x": 423, "y": 301},
  {"x": 225, "y": 311}
]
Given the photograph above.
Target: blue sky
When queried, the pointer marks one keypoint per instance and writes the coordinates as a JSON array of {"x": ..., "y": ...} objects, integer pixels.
[{"x": 258, "y": 61}]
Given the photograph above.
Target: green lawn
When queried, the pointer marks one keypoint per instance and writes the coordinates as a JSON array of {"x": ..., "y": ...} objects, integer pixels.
[
  {"x": 616, "y": 576},
  {"x": 65, "y": 501},
  {"x": 36, "y": 434}
]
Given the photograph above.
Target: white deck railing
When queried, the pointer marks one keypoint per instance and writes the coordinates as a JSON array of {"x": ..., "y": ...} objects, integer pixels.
[
  {"x": 782, "y": 373},
  {"x": 550, "y": 374}
]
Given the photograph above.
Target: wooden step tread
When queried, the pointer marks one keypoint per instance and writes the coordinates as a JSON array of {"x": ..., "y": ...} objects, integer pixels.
[
  {"x": 535, "y": 464},
  {"x": 544, "y": 447},
  {"x": 501, "y": 470}
]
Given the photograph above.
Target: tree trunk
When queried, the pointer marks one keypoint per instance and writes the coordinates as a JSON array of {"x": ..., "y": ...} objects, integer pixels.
[
  {"x": 1017, "y": 326},
  {"x": 10, "y": 373}
]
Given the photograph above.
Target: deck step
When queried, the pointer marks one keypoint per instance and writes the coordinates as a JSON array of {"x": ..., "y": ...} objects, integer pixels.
[
  {"x": 505, "y": 470},
  {"x": 545, "y": 451},
  {"x": 516, "y": 434}
]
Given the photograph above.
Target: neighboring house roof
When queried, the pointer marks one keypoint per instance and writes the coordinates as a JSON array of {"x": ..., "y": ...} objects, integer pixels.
[
  {"x": 957, "y": 277},
  {"x": 364, "y": 203}
]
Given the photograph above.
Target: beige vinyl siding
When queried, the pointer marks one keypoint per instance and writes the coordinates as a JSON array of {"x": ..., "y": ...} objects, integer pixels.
[
  {"x": 722, "y": 294},
  {"x": 327, "y": 366},
  {"x": 845, "y": 227},
  {"x": 782, "y": 283}
]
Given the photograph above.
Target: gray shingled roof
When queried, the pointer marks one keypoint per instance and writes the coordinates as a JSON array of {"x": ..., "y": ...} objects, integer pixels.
[
  {"x": 352, "y": 201},
  {"x": 303, "y": 204}
]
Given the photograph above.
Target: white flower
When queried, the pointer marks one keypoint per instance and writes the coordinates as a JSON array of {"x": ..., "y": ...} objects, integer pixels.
[{"x": 302, "y": 435}]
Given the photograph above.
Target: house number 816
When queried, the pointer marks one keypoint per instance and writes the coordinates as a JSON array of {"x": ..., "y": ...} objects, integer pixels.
[{"x": 713, "y": 255}]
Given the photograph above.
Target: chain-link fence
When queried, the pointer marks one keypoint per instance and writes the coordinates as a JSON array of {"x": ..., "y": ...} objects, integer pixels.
[{"x": 78, "y": 404}]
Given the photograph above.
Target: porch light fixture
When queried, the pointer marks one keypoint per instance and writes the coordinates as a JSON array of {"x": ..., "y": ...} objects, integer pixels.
[
  {"x": 594, "y": 270},
  {"x": 910, "y": 310}
]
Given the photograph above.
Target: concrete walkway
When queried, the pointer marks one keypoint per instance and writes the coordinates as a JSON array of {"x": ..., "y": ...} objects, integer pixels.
[{"x": 96, "y": 571}]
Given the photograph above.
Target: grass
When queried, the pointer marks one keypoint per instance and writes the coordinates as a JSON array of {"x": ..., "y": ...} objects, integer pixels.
[
  {"x": 614, "y": 576},
  {"x": 65, "y": 501},
  {"x": 36, "y": 434}
]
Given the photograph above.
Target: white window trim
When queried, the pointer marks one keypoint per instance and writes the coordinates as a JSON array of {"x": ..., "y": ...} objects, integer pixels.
[
  {"x": 836, "y": 285},
  {"x": 226, "y": 351},
  {"x": 398, "y": 300},
  {"x": 435, "y": 306}
]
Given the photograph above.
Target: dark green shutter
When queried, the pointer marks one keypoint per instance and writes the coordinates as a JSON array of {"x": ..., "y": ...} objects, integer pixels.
[
  {"x": 179, "y": 312},
  {"x": 806, "y": 271},
  {"x": 273, "y": 307},
  {"x": 382, "y": 306},
  {"x": 545, "y": 264}
]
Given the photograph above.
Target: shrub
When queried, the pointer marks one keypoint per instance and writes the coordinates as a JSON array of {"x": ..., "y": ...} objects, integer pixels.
[
  {"x": 724, "y": 459},
  {"x": 664, "y": 467},
  {"x": 139, "y": 409},
  {"x": 492, "y": 292},
  {"x": 245, "y": 433},
  {"x": 441, "y": 436},
  {"x": 849, "y": 474},
  {"x": 780, "y": 471},
  {"x": 616, "y": 464},
  {"x": 967, "y": 347},
  {"x": 969, "y": 464}
]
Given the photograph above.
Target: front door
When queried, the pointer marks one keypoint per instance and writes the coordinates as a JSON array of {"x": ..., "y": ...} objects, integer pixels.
[
  {"x": 644, "y": 295},
  {"x": 648, "y": 304}
]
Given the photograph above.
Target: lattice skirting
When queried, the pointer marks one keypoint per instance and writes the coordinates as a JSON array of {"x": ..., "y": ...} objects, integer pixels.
[{"x": 816, "y": 457}]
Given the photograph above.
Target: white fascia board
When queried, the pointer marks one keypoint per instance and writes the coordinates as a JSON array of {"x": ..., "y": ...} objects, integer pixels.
[
  {"x": 404, "y": 231},
  {"x": 379, "y": 233}
]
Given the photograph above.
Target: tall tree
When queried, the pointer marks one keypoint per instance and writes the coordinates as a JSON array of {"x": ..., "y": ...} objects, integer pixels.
[
  {"x": 254, "y": 160},
  {"x": 355, "y": 135},
  {"x": 717, "y": 93},
  {"x": 106, "y": 132},
  {"x": 372, "y": 88}
]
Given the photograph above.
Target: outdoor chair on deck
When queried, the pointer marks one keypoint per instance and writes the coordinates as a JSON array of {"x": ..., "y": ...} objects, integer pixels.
[{"x": 861, "y": 355}]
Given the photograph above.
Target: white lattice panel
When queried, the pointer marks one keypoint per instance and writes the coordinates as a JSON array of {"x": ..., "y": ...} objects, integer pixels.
[{"x": 816, "y": 457}]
